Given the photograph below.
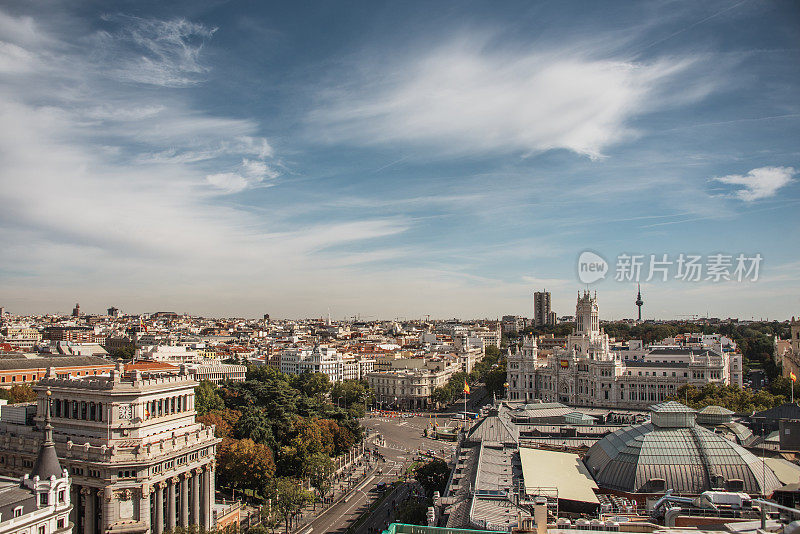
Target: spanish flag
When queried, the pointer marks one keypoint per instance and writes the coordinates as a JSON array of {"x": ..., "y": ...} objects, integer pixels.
[
  {"x": 793, "y": 376},
  {"x": 466, "y": 387}
]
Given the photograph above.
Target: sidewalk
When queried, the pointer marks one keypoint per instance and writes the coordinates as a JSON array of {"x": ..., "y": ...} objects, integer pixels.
[{"x": 340, "y": 489}]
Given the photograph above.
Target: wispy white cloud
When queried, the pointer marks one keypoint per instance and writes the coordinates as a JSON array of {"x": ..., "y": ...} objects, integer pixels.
[
  {"x": 763, "y": 182},
  {"x": 130, "y": 183},
  {"x": 155, "y": 52},
  {"x": 468, "y": 98},
  {"x": 249, "y": 174}
]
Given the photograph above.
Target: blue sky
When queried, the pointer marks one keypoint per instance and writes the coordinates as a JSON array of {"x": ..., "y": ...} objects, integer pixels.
[{"x": 395, "y": 159}]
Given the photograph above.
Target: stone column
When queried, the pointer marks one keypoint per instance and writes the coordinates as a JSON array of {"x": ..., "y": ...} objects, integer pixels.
[
  {"x": 212, "y": 482},
  {"x": 159, "y": 504},
  {"x": 205, "y": 514},
  {"x": 171, "y": 504},
  {"x": 210, "y": 488},
  {"x": 144, "y": 506},
  {"x": 109, "y": 513},
  {"x": 185, "y": 500},
  {"x": 75, "y": 513},
  {"x": 196, "y": 497},
  {"x": 90, "y": 515}
]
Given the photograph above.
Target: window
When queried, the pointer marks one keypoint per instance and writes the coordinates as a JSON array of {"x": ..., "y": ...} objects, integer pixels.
[
  {"x": 18, "y": 511},
  {"x": 41, "y": 530},
  {"x": 61, "y": 523},
  {"x": 61, "y": 496},
  {"x": 43, "y": 499}
]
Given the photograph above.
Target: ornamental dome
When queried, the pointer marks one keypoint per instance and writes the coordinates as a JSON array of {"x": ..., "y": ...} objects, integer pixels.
[{"x": 673, "y": 452}]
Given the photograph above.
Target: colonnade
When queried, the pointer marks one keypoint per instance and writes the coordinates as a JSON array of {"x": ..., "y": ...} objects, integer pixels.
[{"x": 181, "y": 500}]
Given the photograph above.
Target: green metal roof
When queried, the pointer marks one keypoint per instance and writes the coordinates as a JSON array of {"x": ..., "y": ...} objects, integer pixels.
[{"x": 403, "y": 528}]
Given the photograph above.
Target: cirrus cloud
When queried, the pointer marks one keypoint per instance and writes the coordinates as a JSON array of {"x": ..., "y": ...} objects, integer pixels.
[{"x": 461, "y": 98}]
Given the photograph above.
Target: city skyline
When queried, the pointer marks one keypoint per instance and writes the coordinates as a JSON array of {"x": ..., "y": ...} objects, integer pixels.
[{"x": 395, "y": 161}]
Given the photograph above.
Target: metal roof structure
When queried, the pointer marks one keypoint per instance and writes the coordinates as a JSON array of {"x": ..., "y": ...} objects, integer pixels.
[
  {"x": 494, "y": 429},
  {"x": 673, "y": 452},
  {"x": 714, "y": 415},
  {"x": 561, "y": 470}
]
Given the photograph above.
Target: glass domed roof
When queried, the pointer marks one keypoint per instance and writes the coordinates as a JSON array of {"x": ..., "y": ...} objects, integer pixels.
[{"x": 673, "y": 452}]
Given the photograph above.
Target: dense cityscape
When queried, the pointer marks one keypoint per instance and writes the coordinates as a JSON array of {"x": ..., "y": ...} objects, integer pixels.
[{"x": 160, "y": 421}]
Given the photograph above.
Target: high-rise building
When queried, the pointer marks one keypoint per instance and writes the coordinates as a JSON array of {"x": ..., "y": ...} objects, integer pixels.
[{"x": 541, "y": 308}]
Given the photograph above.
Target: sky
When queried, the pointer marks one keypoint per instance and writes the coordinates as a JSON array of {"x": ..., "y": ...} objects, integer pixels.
[{"x": 399, "y": 159}]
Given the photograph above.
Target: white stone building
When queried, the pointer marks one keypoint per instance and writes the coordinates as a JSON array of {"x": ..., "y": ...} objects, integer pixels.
[
  {"x": 138, "y": 460},
  {"x": 588, "y": 372},
  {"x": 39, "y": 501}
]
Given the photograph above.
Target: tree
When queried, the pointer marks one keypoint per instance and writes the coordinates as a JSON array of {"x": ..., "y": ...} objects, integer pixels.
[
  {"x": 319, "y": 470},
  {"x": 354, "y": 394},
  {"x": 413, "y": 512},
  {"x": 245, "y": 464},
  {"x": 206, "y": 398},
  {"x": 432, "y": 475},
  {"x": 495, "y": 380},
  {"x": 254, "y": 424},
  {"x": 730, "y": 397},
  {"x": 222, "y": 420},
  {"x": 125, "y": 353},
  {"x": 18, "y": 393},
  {"x": 314, "y": 384},
  {"x": 290, "y": 498}
]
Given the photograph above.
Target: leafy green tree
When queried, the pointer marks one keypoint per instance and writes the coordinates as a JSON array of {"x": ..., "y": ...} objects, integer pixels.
[
  {"x": 314, "y": 384},
  {"x": 254, "y": 424},
  {"x": 18, "y": 393},
  {"x": 432, "y": 475},
  {"x": 290, "y": 498},
  {"x": 123, "y": 353},
  {"x": 354, "y": 395},
  {"x": 206, "y": 398},
  {"x": 319, "y": 469},
  {"x": 413, "y": 512},
  {"x": 495, "y": 380},
  {"x": 743, "y": 401}
]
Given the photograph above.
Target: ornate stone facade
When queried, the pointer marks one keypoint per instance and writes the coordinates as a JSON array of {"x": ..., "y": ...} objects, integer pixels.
[
  {"x": 592, "y": 372},
  {"x": 139, "y": 461}
]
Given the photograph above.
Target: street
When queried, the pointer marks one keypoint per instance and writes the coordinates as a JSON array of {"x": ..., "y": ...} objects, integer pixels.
[{"x": 402, "y": 438}]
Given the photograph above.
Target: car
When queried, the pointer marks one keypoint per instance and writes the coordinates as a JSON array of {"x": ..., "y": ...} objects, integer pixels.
[{"x": 381, "y": 486}]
